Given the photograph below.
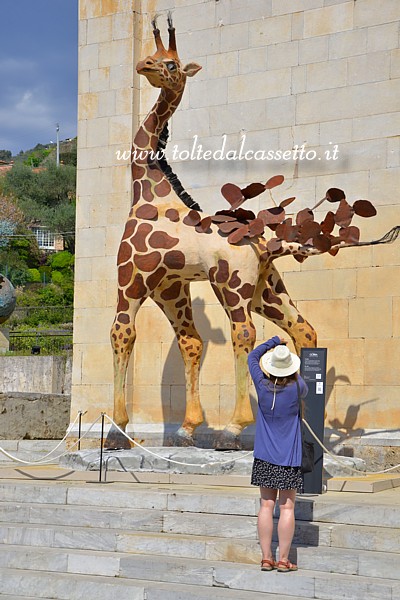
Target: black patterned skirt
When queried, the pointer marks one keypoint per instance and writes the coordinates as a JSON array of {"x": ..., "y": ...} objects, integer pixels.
[{"x": 276, "y": 477}]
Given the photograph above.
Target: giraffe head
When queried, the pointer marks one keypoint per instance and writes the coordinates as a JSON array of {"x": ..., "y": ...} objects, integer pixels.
[{"x": 164, "y": 68}]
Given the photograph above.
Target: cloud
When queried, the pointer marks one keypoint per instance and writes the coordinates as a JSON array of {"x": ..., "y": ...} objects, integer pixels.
[{"x": 13, "y": 65}]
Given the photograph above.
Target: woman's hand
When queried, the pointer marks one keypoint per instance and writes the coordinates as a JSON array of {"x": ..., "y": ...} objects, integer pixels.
[{"x": 283, "y": 340}]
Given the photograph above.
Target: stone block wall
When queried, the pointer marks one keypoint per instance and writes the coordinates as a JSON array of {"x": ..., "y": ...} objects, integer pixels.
[{"x": 316, "y": 72}]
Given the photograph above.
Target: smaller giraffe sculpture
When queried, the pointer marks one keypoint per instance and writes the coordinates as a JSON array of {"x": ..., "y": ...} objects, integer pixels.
[{"x": 167, "y": 243}]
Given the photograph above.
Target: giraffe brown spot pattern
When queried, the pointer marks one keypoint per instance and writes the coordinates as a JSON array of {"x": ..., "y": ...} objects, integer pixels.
[
  {"x": 155, "y": 174},
  {"x": 238, "y": 315},
  {"x": 124, "y": 253},
  {"x": 125, "y": 273},
  {"x": 174, "y": 259},
  {"x": 181, "y": 303},
  {"x": 137, "y": 171},
  {"x": 163, "y": 188},
  {"x": 160, "y": 239},
  {"x": 232, "y": 299},
  {"x": 136, "y": 192},
  {"x": 247, "y": 290},
  {"x": 147, "y": 193},
  {"x": 280, "y": 287},
  {"x": 139, "y": 239},
  {"x": 235, "y": 280},
  {"x": 211, "y": 274},
  {"x": 222, "y": 275},
  {"x": 270, "y": 298},
  {"x": 141, "y": 138},
  {"x": 136, "y": 290},
  {"x": 123, "y": 318},
  {"x": 162, "y": 107},
  {"x": 151, "y": 122},
  {"x": 147, "y": 262},
  {"x": 172, "y": 293},
  {"x": 273, "y": 313},
  {"x": 147, "y": 211},
  {"x": 129, "y": 228},
  {"x": 172, "y": 214},
  {"x": 154, "y": 279}
]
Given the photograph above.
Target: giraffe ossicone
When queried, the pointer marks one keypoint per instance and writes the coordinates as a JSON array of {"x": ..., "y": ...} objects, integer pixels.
[{"x": 167, "y": 243}]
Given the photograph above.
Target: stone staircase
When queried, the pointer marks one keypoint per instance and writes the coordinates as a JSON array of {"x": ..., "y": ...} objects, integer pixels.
[{"x": 72, "y": 540}]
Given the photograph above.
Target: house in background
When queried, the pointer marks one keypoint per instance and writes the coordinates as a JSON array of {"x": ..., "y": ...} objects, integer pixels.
[
  {"x": 5, "y": 166},
  {"x": 48, "y": 241}
]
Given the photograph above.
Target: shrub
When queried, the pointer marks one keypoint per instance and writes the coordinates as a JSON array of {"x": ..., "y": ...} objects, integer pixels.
[{"x": 34, "y": 275}]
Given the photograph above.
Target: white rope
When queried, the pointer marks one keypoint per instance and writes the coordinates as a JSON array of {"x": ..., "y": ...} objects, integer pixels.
[
  {"x": 55, "y": 458},
  {"x": 171, "y": 460},
  {"x": 342, "y": 462},
  {"x": 59, "y": 444}
]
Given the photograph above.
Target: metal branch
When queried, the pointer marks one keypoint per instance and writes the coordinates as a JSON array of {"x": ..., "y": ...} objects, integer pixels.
[{"x": 389, "y": 237}]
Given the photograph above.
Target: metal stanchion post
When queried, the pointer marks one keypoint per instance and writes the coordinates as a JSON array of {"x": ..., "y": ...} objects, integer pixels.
[
  {"x": 101, "y": 448},
  {"x": 79, "y": 430}
]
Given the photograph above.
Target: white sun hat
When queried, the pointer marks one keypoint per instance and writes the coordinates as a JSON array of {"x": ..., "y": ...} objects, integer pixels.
[{"x": 280, "y": 362}]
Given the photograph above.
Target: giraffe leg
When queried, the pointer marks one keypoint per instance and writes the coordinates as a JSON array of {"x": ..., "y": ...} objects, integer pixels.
[
  {"x": 235, "y": 292},
  {"x": 273, "y": 302},
  {"x": 123, "y": 335},
  {"x": 178, "y": 310}
]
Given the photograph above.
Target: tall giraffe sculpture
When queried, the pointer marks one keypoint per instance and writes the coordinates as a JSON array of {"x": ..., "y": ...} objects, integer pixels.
[{"x": 167, "y": 244}]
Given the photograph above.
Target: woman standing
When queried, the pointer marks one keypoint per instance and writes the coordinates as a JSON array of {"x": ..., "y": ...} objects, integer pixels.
[{"x": 277, "y": 445}]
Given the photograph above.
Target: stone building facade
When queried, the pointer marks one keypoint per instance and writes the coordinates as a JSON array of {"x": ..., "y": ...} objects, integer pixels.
[{"x": 322, "y": 73}]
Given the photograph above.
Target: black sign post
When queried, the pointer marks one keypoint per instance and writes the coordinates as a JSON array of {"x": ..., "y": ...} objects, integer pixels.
[{"x": 313, "y": 371}]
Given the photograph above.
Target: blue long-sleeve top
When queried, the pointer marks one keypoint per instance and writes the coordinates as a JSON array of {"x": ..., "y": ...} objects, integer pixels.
[{"x": 278, "y": 434}]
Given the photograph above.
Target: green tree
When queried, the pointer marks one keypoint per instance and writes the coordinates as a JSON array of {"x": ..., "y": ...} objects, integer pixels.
[
  {"x": 34, "y": 159},
  {"x": 46, "y": 196},
  {"x": 5, "y": 155}
]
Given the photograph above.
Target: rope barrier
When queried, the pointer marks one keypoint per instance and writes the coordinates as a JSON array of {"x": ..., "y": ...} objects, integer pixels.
[
  {"x": 43, "y": 460},
  {"x": 339, "y": 460},
  {"x": 55, "y": 458},
  {"x": 59, "y": 444},
  {"x": 177, "y": 462}
]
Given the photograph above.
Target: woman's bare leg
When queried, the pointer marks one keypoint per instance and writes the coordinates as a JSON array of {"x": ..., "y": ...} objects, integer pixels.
[
  {"x": 265, "y": 521},
  {"x": 286, "y": 523}
]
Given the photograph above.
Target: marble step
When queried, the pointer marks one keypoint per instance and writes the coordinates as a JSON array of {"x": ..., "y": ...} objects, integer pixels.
[
  {"x": 227, "y": 502},
  {"x": 118, "y": 524},
  {"x": 304, "y": 583},
  {"x": 135, "y": 570},
  {"x": 46, "y": 529},
  {"x": 68, "y": 560},
  {"x": 61, "y": 586}
]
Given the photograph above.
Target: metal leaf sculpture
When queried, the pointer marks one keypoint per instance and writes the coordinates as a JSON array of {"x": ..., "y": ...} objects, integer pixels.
[{"x": 239, "y": 224}]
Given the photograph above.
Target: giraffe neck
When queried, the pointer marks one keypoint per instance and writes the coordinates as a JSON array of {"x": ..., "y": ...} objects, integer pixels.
[
  {"x": 147, "y": 137},
  {"x": 153, "y": 178}
]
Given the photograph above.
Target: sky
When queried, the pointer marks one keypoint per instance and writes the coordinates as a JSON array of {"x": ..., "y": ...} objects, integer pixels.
[{"x": 38, "y": 72}]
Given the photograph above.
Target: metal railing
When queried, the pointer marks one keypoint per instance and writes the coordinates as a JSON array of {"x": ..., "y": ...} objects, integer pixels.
[{"x": 45, "y": 342}]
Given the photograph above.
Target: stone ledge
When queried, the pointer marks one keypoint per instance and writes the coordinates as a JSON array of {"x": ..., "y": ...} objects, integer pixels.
[
  {"x": 33, "y": 416},
  {"x": 218, "y": 463}
]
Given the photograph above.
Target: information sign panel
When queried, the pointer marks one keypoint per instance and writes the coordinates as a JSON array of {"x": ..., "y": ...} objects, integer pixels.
[{"x": 313, "y": 371}]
